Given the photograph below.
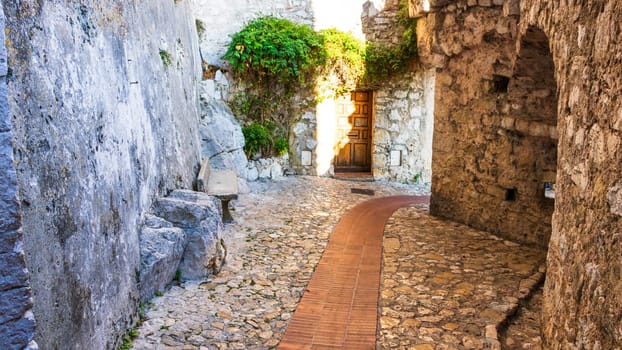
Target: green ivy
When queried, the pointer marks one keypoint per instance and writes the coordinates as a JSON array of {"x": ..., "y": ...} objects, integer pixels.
[
  {"x": 166, "y": 57},
  {"x": 275, "y": 49},
  {"x": 384, "y": 61},
  {"x": 264, "y": 138},
  {"x": 345, "y": 61}
]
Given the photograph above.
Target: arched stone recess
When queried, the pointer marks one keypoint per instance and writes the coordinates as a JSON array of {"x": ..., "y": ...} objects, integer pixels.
[
  {"x": 528, "y": 101},
  {"x": 582, "y": 304}
]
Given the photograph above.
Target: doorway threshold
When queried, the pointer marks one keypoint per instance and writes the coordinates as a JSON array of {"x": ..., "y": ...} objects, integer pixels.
[{"x": 363, "y": 176}]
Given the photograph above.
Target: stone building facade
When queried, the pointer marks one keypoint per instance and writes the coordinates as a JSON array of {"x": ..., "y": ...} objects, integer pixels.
[{"x": 527, "y": 92}]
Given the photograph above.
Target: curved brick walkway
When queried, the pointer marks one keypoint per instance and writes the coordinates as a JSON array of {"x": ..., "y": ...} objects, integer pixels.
[
  {"x": 443, "y": 285},
  {"x": 340, "y": 305}
]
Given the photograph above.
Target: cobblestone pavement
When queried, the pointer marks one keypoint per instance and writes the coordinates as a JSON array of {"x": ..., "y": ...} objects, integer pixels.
[
  {"x": 279, "y": 234},
  {"x": 523, "y": 331},
  {"x": 447, "y": 286},
  {"x": 443, "y": 283}
]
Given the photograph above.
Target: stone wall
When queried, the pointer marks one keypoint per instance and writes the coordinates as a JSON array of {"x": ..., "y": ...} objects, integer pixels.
[
  {"x": 583, "y": 290},
  {"x": 404, "y": 122},
  {"x": 404, "y": 106},
  {"x": 103, "y": 100},
  {"x": 492, "y": 159},
  {"x": 17, "y": 325},
  {"x": 529, "y": 92}
]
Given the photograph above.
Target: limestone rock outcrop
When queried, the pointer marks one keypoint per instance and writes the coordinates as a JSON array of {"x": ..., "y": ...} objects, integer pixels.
[
  {"x": 200, "y": 217},
  {"x": 161, "y": 248},
  {"x": 104, "y": 111},
  {"x": 222, "y": 141}
]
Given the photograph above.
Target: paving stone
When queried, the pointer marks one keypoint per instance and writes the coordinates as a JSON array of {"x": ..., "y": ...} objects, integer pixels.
[
  {"x": 438, "y": 276},
  {"x": 469, "y": 282}
]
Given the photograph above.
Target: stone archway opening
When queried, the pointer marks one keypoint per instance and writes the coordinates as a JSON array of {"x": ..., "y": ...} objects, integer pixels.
[
  {"x": 532, "y": 121},
  {"x": 532, "y": 100}
]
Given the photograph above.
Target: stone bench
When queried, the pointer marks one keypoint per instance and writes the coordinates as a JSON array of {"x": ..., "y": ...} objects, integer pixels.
[{"x": 220, "y": 183}]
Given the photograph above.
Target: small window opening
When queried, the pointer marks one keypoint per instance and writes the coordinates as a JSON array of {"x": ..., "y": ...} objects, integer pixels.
[
  {"x": 500, "y": 83},
  {"x": 549, "y": 190},
  {"x": 510, "y": 194}
]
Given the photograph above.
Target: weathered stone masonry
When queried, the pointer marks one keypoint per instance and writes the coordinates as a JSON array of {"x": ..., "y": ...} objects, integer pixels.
[
  {"x": 491, "y": 161},
  {"x": 583, "y": 291},
  {"x": 515, "y": 81}
]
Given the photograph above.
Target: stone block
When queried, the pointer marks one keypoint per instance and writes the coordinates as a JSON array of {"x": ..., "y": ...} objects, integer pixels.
[
  {"x": 486, "y": 3},
  {"x": 507, "y": 123},
  {"x": 205, "y": 252},
  {"x": 14, "y": 273},
  {"x": 16, "y": 335},
  {"x": 538, "y": 129},
  {"x": 200, "y": 216},
  {"x": 9, "y": 206},
  {"x": 5, "y": 122},
  {"x": 614, "y": 198},
  {"x": 153, "y": 221},
  {"x": 14, "y": 303},
  {"x": 180, "y": 212},
  {"x": 161, "y": 250},
  {"x": 511, "y": 8}
]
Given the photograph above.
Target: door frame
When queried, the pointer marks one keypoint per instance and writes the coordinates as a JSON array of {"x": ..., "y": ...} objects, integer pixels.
[{"x": 372, "y": 135}]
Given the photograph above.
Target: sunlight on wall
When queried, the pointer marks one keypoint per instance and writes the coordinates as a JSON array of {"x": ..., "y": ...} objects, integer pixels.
[
  {"x": 344, "y": 15},
  {"x": 326, "y": 135},
  {"x": 332, "y": 131}
]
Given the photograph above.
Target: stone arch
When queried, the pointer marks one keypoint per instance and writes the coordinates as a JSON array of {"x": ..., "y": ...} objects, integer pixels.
[
  {"x": 532, "y": 88},
  {"x": 532, "y": 114}
]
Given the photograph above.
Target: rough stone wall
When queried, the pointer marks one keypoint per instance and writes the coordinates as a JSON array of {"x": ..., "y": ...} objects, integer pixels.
[
  {"x": 491, "y": 158},
  {"x": 404, "y": 106},
  {"x": 17, "y": 324},
  {"x": 403, "y": 123},
  {"x": 583, "y": 290},
  {"x": 103, "y": 100},
  {"x": 582, "y": 306}
]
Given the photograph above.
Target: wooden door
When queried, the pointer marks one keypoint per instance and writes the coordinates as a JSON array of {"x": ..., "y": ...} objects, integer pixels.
[{"x": 354, "y": 130}]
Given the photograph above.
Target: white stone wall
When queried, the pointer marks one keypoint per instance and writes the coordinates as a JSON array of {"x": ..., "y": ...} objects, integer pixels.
[
  {"x": 102, "y": 126},
  {"x": 224, "y": 18},
  {"x": 404, "y": 120}
]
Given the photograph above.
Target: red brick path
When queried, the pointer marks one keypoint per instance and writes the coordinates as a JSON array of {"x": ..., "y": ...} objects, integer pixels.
[{"x": 340, "y": 306}]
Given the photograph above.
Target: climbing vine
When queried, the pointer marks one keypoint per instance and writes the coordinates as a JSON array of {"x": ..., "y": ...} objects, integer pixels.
[
  {"x": 277, "y": 59},
  {"x": 382, "y": 61}
]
